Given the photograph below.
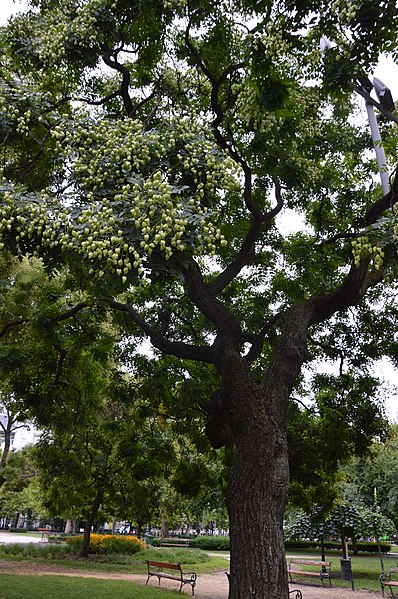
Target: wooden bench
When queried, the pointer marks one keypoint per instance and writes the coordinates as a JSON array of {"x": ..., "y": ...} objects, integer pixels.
[
  {"x": 324, "y": 569},
  {"x": 386, "y": 580},
  {"x": 170, "y": 543},
  {"x": 174, "y": 573},
  {"x": 44, "y": 533}
]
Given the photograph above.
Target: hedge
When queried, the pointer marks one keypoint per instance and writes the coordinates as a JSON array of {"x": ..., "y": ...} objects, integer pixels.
[
  {"x": 361, "y": 546},
  {"x": 17, "y": 530},
  {"x": 210, "y": 543}
]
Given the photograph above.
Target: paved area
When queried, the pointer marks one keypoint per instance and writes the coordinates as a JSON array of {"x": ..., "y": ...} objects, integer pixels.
[{"x": 9, "y": 537}]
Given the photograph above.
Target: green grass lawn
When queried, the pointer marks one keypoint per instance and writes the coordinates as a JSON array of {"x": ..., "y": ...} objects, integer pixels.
[
  {"x": 191, "y": 559},
  {"x": 48, "y": 587},
  {"x": 366, "y": 569}
]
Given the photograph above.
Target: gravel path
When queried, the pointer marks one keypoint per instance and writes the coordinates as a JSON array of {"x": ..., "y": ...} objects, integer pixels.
[{"x": 208, "y": 586}]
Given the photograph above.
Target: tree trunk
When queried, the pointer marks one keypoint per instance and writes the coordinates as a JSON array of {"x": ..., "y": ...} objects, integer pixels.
[
  {"x": 70, "y": 526},
  {"x": 259, "y": 484},
  {"x": 323, "y": 553},
  {"x": 140, "y": 526},
  {"x": 7, "y": 431},
  {"x": 90, "y": 521},
  {"x": 257, "y": 494},
  {"x": 165, "y": 528}
]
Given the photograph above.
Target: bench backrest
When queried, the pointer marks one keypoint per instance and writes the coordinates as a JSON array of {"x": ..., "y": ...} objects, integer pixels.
[
  {"x": 311, "y": 562},
  {"x": 163, "y": 565}
]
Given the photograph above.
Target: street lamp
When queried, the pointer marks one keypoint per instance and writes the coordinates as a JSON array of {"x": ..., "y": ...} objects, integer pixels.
[
  {"x": 384, "y": 96},
  {"x": 385, "y": 104}
]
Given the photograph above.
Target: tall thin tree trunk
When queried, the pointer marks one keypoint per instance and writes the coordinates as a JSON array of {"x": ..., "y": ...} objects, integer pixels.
[
  {"x": 7, "y": 430},
  {"x": 90, "y": 521},
  {"x": 165, "y": 528}
]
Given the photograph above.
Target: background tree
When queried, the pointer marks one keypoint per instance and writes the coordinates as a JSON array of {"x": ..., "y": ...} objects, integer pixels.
[
  {"x": 11, "y": 422},
  {"x": 19, "y": 496},
  {"x": 373, "y": 478},
  {"x": 161, "y": 176}
]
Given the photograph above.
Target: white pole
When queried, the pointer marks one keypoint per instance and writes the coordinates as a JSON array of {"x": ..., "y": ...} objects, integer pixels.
[{"x": 379, "y": 150}]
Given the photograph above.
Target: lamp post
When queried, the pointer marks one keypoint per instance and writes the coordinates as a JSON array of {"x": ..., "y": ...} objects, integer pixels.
[
  {"x": 385, "y": 104},
  {"x": 385, "y": 98}
]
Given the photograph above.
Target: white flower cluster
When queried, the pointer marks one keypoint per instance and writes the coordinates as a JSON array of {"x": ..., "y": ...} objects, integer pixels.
[
  {"x": 58, "y": 28},
  {"x": 346, "y": 10},
  {"x": 246, "y": 104},
  {"x": 362, "y": 248},
  {"x": 272, "y": 40},
  {"x": 175, "y": 4},
  {"x": 129, "y": 195}
]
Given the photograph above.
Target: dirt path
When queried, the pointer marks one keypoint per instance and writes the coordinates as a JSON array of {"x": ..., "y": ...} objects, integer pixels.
[{"x": 208, "y": 586}]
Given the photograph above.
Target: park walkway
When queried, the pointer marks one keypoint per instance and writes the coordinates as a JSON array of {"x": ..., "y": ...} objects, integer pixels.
[{"x": 209, "y": 586}]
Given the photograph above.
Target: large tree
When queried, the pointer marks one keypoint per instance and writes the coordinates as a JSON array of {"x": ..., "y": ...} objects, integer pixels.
[{"x": 155, "y": 146}]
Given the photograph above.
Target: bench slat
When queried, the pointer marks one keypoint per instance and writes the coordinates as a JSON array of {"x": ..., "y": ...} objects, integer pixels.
[
  {"x": 164, "y": 565},
  {"x": 324, "y": 568}
]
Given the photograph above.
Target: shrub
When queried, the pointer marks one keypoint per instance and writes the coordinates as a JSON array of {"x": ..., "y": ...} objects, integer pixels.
[
  {"x": 363, "y": 547},
  {"x": 34, "y": 550},
  {"x": 17, "y": 530},
  {"x": 108, "y": 544},
  {"x": 211, "y": 543}
]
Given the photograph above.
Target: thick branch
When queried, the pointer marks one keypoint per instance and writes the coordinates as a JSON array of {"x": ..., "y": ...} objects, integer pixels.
[
  {"x": 349, "y": 294},
  {"x": 174, "y": 348},
  {"x": 388, "y": 201},
  {"x": 258, "y": 341},
  {"x": 124, "y": 88},
  {"x": 70, "y": 313},
  {"x": 244, "y": 256},
  {"x": 204, "y": 299},
  {"x": 10, "y": 325},
  {"x": 291, "y": 351},
  {"x": 247, "y": 250}
]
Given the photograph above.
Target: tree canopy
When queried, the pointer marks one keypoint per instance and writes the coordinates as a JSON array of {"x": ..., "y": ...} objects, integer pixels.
[{"x": 156, "y": 147}]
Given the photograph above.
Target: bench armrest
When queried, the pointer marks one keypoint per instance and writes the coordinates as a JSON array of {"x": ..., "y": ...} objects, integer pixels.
[{"x": 193, "y": 575}]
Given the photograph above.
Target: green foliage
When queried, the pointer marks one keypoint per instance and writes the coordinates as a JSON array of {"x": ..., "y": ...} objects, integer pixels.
[
  {"x": 162, "y": 184},
  {"x": 210, "y": 543},
  {"x": 18, "y": 530},
  {"x": 359, "y": 547}
]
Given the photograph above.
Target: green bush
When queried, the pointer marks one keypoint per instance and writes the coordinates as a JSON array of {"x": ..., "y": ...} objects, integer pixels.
[
  {"x": 299, "y": 544},
  {"x": 211, "y": 543},
  {"x": 361, "y": 546},
  {"x": 45, "y": 550},
  {"x": 17, "y": 530}
]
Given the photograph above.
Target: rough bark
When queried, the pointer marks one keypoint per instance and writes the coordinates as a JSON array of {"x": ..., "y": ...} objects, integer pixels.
[
  {"x": 90, "y": 521},
  {"x": 259, "y": 483}
]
